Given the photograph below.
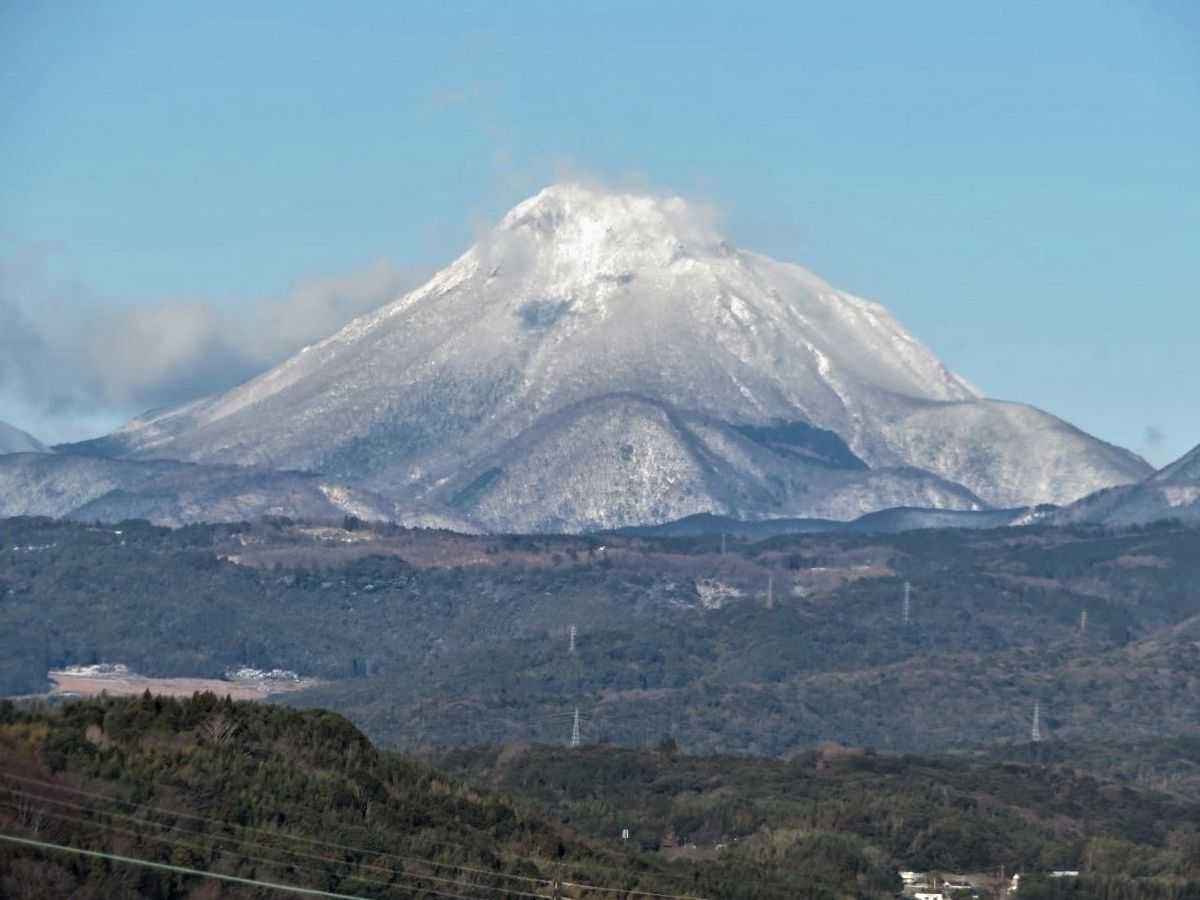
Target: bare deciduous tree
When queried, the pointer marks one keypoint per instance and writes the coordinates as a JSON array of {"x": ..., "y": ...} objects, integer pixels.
[{"x": 219, "y": 729}]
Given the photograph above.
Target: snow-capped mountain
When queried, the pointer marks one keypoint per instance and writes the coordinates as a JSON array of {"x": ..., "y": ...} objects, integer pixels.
[
  {"x": 1173, "y": 492},
  {"x": 14, "y": 440},
  {"x": 1187, "y": 466},
  {"x": 600, "y": 360},
  {"x": 173, "y": 493}
]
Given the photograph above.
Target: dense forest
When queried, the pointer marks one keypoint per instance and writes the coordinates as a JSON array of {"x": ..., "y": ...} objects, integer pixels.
[
  {"x": 262, "y": 792},
  {"x": 770, "y": 646},
  {"x": 183, "y": 789}
]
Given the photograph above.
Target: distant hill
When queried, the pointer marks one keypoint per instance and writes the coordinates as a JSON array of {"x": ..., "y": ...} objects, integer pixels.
[
  {"x": 1171, "y": 493},
  {"x": 884, "y": 521},
  {"x": 13, "y": 440},
  {"x": 1166, "y": 764},
  {"x": 840, "y": 812}
]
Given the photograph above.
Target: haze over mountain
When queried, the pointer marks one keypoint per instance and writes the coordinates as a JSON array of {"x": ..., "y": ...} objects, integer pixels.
[
  {"x": 14, "y": 440},
  {"x": 600, "y": 360}
]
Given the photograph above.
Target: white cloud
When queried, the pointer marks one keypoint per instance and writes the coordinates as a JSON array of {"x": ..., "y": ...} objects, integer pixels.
[{"x": 69, "y": 360}]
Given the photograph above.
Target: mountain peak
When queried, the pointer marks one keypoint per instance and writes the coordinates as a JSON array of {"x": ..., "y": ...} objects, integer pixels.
[{"x": 577, "y": 217}]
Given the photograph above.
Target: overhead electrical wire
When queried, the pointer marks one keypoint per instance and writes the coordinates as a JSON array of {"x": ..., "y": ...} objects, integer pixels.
[
  {"x": 393, "y": 871},
  {"x": 402, "y": 873}
]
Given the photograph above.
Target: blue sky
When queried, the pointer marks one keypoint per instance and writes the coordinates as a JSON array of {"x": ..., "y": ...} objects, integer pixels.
[{"x": 188, "y": 192}]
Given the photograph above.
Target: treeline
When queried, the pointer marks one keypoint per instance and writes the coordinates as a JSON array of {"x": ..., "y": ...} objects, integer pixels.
[{"x": 863, "y": 814}]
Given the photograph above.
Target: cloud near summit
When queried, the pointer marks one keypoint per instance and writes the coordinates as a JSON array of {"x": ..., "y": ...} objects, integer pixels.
[{"x": 66, "y": 354}]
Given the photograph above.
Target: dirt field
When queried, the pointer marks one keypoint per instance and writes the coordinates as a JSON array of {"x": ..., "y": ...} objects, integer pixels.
[{"x": 126, "y": 683}]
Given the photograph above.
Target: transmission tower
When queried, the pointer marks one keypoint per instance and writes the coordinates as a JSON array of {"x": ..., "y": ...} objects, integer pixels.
[
  {"x": 575, "y": 729},
  {"x": 1035, "y": 733},
  {"x": 770, "y": 593},
  {"x": 571, "y": 646},
  {"x": 1083, "y": 622},
  {"x": 907, "y": 608}
]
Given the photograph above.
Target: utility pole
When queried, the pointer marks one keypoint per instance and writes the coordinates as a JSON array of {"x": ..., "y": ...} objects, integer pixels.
[
  {"x": 571, "y": 646},
  {"x": 770, "y": 592},
  {"x": 575, "y": 741},
  {"x": 722, "y": 543},
  {"x": 906, "y": 610},
  {"x": 1082, "y": 623}
]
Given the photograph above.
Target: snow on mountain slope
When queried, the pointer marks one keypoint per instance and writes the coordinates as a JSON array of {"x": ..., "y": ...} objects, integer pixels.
[
  {"x": 600, "y": 360},
  {"x": 1171, "y": 493},
  {"x": 1187, "y": 466},
  {"x": 1135, "y": 504},
  {"x": 13, "y": 440},
  {"x": 174, "y": 493}
]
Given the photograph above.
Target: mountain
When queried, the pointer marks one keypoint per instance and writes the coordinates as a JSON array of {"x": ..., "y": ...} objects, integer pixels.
[
  {"x": 1186, "y": 467},
  {"x": 167, "y": 492},
  {"x": 1173, "y": 492},
  {"x": 885, "y": 521},
  {"x": 14, "y": 440},
  {"x": 600, "y": 360}
]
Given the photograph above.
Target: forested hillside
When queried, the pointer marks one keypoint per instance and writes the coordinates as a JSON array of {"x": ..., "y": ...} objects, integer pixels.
[
  {"x": 426, "y": 638},
  {"x": 264, "y": 793},
  {"x": 837, "y": 810},
  {"x": 201, "y": 797}
]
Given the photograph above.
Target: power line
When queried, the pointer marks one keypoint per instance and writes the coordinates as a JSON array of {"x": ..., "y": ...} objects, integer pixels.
[
  {"x": 184, "y": 870},
  {"x": 262, "y": 831},
  {"x": 390, "y": 870},
  {"x": 285, "y": 863},
  {"x": 629, "y": 891},
  {"x": 395, "y": 873},
  {"x": 586, "y": 867},
  {"x": 107, "y": 828}
]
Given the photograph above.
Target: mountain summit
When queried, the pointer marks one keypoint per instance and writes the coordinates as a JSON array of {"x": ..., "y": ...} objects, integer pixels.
[{"x": 600, "y": 360}]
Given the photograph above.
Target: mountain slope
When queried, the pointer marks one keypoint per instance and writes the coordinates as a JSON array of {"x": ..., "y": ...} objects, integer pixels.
[
  {"x": 642, "y": 369},
  {"x": 1187, "y": 466},
  {"x": 174, "y": 493},
  {"x": 1171, "y": 493},
  {"x": 13, "y": 440}
]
